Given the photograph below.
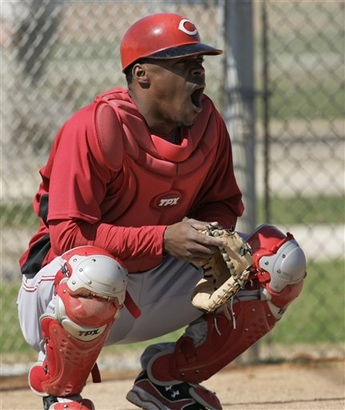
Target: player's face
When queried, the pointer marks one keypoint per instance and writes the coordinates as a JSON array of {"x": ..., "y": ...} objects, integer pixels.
[{"x": 177, "y": 86}]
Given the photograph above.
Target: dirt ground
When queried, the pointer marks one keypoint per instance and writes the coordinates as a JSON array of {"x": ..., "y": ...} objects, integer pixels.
[{"x": 307, "y": 386}]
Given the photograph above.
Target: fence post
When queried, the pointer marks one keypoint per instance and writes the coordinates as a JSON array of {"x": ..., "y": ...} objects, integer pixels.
[
  {"x": 239, "y": 100},
  {"x": 239, "y": 105}
]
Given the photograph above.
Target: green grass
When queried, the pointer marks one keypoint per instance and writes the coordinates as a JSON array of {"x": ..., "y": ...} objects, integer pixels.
[
  {"x": 307, "y": 103},
  {"x": 304, "y": 210},
  {"x": 11, "y": 338},
  {"x": 18, "y": 215},
  {"x": 318, "y": 313},
  {"x": 291, "y": 101}
]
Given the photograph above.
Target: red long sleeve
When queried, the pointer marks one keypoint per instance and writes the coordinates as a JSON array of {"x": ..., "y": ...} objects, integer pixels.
[{"x": 138, "y": 248}]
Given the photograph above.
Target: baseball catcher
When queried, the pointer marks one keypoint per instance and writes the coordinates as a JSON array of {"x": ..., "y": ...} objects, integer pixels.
[{"x": 136, "y": 204}]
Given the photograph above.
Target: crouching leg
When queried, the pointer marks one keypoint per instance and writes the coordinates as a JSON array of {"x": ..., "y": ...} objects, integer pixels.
[
  {"x": 218, "y": 338},
  {"x": 90, "y": 291}
]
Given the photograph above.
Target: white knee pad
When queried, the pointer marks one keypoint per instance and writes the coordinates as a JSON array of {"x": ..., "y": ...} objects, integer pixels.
[
  {"x": 280, "y": 266},
  {"x": 92, "y": 271}
]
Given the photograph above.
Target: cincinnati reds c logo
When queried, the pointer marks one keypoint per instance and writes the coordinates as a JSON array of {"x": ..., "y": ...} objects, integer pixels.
[{"x": 187, "y": 27}]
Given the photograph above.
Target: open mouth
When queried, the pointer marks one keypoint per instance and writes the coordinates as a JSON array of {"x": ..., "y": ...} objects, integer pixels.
[{"x": 196, "y": 98}]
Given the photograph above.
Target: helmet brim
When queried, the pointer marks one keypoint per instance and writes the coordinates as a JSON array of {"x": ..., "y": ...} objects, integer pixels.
[{"x": 186, "y": 50}]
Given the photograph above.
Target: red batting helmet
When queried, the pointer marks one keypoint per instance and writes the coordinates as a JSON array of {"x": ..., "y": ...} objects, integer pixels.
[{"x": 162, "y": 35}]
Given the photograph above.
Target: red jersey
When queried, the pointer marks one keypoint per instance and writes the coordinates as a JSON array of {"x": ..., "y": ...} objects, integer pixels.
[{"x": 119, "y": 189}]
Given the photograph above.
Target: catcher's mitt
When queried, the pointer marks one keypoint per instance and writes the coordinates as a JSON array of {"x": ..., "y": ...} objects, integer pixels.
[{"x": 225, "y": 273}]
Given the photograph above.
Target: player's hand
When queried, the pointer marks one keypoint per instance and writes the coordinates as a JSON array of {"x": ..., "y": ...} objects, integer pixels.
[{"x": 184, "y": 241}]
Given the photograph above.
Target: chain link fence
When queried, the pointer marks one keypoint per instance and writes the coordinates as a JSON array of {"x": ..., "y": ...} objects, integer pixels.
[
  {"x": 301, "y": 135},
  {"x": 58, "y": 55}
]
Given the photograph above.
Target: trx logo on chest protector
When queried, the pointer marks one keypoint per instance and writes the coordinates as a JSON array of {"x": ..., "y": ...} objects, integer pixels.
[{"x": 166, "y": 200}]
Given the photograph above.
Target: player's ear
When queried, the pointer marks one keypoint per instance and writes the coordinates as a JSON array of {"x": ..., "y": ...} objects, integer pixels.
[{"x": 140, "y": 74}]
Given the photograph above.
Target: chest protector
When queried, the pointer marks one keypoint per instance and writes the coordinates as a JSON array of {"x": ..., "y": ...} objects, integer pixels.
[{"x": 151, "y": 171}]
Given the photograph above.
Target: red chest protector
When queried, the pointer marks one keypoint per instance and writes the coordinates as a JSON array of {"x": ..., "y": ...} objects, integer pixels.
[{"x": 154, "y": 171}]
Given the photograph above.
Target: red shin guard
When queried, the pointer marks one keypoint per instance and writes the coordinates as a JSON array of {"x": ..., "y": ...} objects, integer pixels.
[
  {"x": 279, "y": 267},
  {"x": 90, "y": 291},
  {"x": 71, "y": 354},
  {"x": 224, "y": 342}
]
